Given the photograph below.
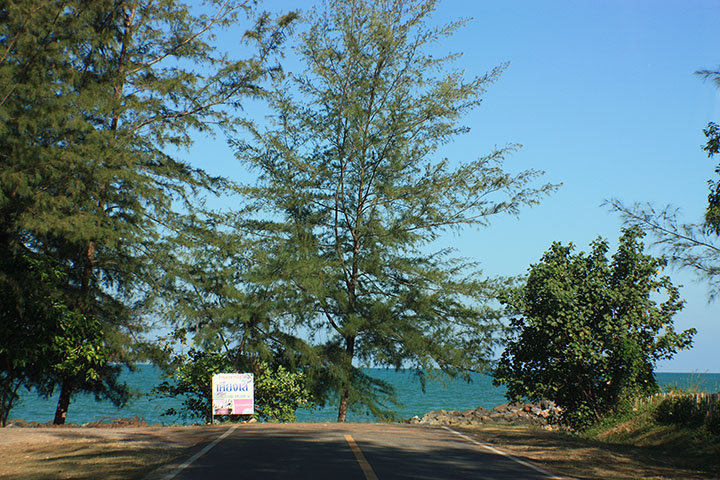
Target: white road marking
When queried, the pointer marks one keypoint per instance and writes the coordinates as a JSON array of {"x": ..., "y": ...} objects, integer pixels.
[
  {"x": 551, "y": 476},
  {"x": 199, "y": 454}
]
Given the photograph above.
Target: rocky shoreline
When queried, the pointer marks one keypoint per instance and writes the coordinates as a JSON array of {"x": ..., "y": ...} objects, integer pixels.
[{"x": 540, "y": 414}]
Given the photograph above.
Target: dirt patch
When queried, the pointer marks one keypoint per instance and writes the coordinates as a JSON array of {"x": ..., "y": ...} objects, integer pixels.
[
  {"x": 580, "y": 458},
  {"x": 106, "y": 451}
]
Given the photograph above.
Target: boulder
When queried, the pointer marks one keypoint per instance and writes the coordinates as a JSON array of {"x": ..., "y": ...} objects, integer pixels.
[{"x": 509, "y": 413}]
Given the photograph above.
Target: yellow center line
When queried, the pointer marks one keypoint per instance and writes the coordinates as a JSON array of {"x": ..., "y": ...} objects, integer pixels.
[{"x": 366, "y": 468}]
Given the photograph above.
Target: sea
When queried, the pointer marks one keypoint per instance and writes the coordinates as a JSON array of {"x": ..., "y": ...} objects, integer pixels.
[{"x": 439, "y": 393}]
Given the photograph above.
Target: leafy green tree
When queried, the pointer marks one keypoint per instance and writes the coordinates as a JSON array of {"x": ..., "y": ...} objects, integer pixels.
[
  {"x": 93, "y": 97},
  {"x": 588, "y": 330},
  {"x": 352, "y": 192},
  {"x": 43, "y": 340},
  {"x": 688, "y": 245},
  {"x": 279, "y": 393},
  {"x": 80, "y": 357},
  {"x": 26, "y": 319}
]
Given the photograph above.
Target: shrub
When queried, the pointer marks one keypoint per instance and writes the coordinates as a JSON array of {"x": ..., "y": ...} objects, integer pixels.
[
  {"x": 713, "y": 423},
  {"x": 278, "y": 391},
  {"x": 586, "y": 330},
  {"x": 681, "y": 410}
]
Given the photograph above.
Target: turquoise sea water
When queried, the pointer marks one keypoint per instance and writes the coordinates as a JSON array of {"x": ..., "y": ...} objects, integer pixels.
[{"x": 449, "y": 395}]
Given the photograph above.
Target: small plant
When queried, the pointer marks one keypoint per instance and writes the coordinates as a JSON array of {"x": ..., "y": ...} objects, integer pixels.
[
  {"x": 713, "y": 422},
  {"x": 681, "y": 410}
]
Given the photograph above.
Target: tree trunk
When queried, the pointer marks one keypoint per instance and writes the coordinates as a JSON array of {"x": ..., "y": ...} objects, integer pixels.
[
  {"x": 63, "y": 403},
  {"x": 345, "y": 394},
  {"x": 9, "y": 394},
  {"x": 342, "y": 410}
]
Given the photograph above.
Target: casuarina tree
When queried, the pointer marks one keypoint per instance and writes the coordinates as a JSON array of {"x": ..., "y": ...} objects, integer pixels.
[
  {"x": 352, "y": 190},
  {"x": 96, "y": 98}
]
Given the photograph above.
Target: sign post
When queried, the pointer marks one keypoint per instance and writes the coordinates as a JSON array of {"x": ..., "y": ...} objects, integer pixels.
[{"x": 233, "y": 394}]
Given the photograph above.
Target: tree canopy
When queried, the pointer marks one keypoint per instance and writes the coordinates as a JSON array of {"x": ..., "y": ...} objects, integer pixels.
[
  {"x": 588, "y": 330},
  {"x": 352, "y": 191},
  {"x": 94, "y": 99}
]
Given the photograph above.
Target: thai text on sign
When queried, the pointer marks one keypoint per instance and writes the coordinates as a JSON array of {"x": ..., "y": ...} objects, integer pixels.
[{"x": 233, "y": 394}]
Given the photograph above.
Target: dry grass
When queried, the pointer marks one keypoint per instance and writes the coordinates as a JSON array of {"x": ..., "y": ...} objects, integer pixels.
[
  {"x": 586, "y": 458},
  {"x": 92, "y": 453},
  {"x": 135, "y": 452}
]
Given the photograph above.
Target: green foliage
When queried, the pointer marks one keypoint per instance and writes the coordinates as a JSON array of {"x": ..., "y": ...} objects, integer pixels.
[
  {"x": 640, "y": 431},
  {"x": 680, "y": 410},
  {"x": 192, "y": 378},
  {"x": 278, "y": 391},
  {"x": 45, "y": 341},
  {"x": 352, "y": 190},
  {"x": 712, "y": 214},
  {"x": 93, "y": 97},
  {"x": 687, "y": 409},
  {"x": 713, "y": 423},
  {"x": 588, "y": 330},
  {"x": 26, "y": 322}
]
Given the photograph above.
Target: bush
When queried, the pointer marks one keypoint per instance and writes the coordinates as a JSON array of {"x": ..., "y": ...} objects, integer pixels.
[
  {"x": 681, "y": 410},
  {"x": 713, "y": 423},
  {"x": 278, "y": 391},
  {"x": 586, "y": 330}
]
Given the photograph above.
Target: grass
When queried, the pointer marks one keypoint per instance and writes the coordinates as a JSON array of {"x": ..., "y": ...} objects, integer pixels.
[
  {"x": 629, "y": 446},
  {"x": 640, "y": 428},
  {"x": 92, "y": 453}
]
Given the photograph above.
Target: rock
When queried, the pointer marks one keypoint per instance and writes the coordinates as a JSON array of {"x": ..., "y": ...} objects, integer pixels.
[{"x": 509, "y": 413}]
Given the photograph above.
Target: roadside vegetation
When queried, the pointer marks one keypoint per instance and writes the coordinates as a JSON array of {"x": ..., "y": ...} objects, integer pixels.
[
  {"x": 320, "y": 263},
  {"x": 638, "y": 443},
  {"x": 587, "y": 330},
  {"x": 676, "y": 424},
  {"x": 681, "y": 432}
]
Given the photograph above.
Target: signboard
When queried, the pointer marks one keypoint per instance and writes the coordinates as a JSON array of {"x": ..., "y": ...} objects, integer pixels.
[{"x": 233, "y": 394}]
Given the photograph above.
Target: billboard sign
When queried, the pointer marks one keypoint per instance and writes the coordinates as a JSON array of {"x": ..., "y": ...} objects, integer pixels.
[{"x": 233, "y": 394}]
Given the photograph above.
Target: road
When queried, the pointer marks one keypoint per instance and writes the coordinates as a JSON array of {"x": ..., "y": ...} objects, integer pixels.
[{"x": 350, "y": 452}]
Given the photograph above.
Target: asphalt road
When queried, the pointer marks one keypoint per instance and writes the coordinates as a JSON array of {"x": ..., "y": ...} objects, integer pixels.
[{"x": 350, "y": 452}]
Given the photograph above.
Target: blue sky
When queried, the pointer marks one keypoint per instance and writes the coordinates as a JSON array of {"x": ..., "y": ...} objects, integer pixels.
[{"x": 602, "y": 96}]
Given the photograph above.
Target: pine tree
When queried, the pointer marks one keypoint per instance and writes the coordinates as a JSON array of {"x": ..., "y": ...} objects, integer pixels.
[
  {"x": 93, "y": 96},
  {"x": 352, "y": 192}
]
